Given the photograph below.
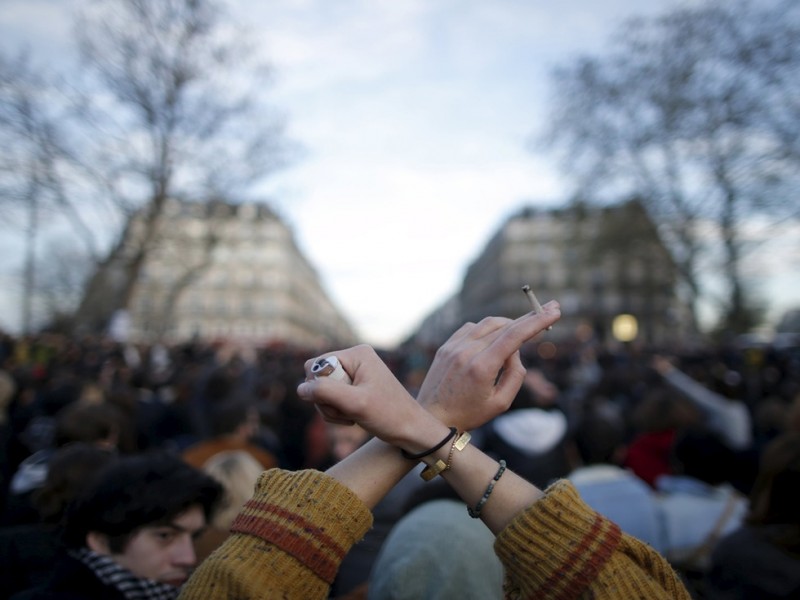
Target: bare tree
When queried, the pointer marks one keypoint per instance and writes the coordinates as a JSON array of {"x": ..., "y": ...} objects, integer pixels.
[
  {"x": 696, "y": 112},
  {"x": 168, "y": 103},
  {"x": 34, "y": 165},
  {"x": 61, "y": 281}
]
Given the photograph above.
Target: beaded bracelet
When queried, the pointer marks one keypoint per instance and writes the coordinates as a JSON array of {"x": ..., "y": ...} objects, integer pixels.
[
  {"x": 409, "y": 456},
  {"x": 476, "y": 512}
]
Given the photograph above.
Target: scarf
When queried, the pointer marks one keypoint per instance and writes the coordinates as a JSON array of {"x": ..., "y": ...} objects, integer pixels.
[{"x": 120, "y": 578}]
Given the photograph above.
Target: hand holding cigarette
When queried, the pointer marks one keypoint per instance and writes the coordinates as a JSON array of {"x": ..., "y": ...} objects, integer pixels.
[{"x": 535, "y": 305}]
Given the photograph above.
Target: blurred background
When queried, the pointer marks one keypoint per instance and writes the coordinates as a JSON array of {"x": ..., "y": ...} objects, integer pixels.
[{"x": 314, "y": 174}]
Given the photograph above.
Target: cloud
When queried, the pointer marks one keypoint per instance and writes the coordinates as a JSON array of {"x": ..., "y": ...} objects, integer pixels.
[{"x": 413, "y": 116}]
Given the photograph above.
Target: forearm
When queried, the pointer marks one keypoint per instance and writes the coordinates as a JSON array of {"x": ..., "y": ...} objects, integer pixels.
[
  {"x": 372, "y": 471},
  {"x": 561, "y": 548},
  {"x": 695, "y": 391},
  {"x": 471, "y": 473},
  {"x": 730, "y": 418},
  {"x": 287, "y": 541}
]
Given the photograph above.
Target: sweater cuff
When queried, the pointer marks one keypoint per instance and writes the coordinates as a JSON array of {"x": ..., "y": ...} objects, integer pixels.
[
  {"x": 556, "y": 548},
  {"x": 307, "y": 514}
]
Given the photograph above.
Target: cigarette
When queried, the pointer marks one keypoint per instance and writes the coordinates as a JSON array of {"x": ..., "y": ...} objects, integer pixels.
[{"x": 537, "y": 308}]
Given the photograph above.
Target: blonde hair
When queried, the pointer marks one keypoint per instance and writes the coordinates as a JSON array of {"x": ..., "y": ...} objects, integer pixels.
[{"x": 238, "y": 472}]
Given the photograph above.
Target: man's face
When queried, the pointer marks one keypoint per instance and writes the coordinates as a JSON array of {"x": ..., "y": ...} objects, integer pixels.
[{"x": 164, "y": 553}]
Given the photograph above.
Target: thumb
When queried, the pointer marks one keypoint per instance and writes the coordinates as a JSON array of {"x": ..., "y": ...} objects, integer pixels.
[
  {"x": 330, "y": 397},
  {"x": 306, "y": 390},
  {"x": 334, "y": 415},
  {"x": 328, "y": 392}
]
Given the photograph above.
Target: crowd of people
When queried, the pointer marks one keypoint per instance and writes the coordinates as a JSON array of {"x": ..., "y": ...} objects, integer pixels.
[{"x": 500, "y": 465}]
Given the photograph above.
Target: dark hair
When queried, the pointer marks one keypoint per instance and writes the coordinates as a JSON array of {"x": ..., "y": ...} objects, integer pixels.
[
  {"x": 598, "y": 439},
  {"x": 776, "y": 493},
  {"x": 662, "y": 409},
  {"x": 90, "y": 423},
  {"x": 137, "y": 491},
  {"x": 70, "y": 471},
  {"x": 227, "y": 416},
  {"x": 700, "y": 453}
]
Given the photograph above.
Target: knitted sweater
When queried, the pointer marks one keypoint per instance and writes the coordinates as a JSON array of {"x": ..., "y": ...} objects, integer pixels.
[{"x": 289, "y": 539}]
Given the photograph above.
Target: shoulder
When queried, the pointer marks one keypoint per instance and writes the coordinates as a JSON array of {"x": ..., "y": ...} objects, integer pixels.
[
  {"x": 71, "y": 580},
  {"x": 265, "y": 458},
  {"x": 198, "y": 453}
]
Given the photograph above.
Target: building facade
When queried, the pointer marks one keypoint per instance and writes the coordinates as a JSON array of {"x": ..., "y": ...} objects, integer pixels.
[
  {"x": 231, "y": 272},
  {"x": 599, "y": 262}
]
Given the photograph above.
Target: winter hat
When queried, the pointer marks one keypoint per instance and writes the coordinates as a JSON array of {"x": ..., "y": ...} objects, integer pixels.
[
  {"x": 532, "y": 431},
  {"x": 437, "y": 552},
  {"x": 532, "y": 442}
]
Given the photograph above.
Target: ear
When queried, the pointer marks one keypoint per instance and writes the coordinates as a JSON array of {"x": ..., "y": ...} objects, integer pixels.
[{"x": 97, "y": 542}]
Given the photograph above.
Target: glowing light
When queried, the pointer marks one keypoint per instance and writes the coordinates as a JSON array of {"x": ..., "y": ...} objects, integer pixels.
[{"x": 624, "y": 328}]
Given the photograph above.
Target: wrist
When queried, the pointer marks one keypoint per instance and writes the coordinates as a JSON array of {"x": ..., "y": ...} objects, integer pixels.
[
  {"x": 451, "y": 433},
  {"x": 430, "y": 434}
]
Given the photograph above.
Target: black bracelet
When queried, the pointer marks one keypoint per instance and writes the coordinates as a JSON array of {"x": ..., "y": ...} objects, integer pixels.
[{"x": 438, "y": 446}]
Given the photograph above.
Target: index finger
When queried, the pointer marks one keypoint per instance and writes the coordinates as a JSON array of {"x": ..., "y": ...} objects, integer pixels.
[{"x": 522, "y": 329}]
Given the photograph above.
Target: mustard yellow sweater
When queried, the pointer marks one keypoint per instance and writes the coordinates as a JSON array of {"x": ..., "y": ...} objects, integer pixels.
[{"x": 289, "y": 540}]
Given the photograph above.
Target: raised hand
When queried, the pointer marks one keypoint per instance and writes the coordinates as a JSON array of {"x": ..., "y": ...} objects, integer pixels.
[
  {"x": 474, "y": 377},
  {"x": 375, "y": 399},
  {"x": 477, "y": 373}
]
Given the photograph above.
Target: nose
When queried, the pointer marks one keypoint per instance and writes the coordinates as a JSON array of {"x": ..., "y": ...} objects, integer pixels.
[{"x": 184, "y": 554}]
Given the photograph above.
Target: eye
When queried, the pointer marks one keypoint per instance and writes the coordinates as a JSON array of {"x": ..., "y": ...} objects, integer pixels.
[{"x": 164, "y": 535}]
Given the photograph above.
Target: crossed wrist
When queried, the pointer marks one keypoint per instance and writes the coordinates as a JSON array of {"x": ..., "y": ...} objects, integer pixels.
[
  {"x": 425, "y": 441},
  {"x": 438, "y": 455}
]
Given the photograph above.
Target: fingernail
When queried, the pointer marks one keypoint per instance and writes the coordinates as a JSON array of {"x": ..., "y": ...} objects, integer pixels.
[{"x": 304, "y": 389}]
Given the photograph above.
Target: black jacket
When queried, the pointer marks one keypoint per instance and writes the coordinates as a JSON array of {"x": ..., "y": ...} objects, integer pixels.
[
  {"x": 27, "y": 556},
  {"x": 71, "y": 580},
  {"x": 747, "y": 565}
]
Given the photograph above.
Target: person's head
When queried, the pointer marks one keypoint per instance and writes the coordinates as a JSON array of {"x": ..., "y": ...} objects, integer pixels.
[
  {"x": 90, "y": 423},
  {"x": 237, "y": 416},
  {"x": 238, "y": 473},
  {"x": 70, "y": 471},
  {"x": 776, "y": 494},
  {"x": 771, "y": 417},
  {"x": 700, "y": 453},
  {"x": 599, "y": 440},
  {"x": 144, "y": 512},
  {"x": 663, "y": 409},
  {"x": 409, "y": 564},
  {"x": 534, "y": 443}
]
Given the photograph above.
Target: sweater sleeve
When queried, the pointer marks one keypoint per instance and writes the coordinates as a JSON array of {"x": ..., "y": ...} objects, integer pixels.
[
  {"x": 560, "y": 549},
  {"x": 287, "y": 542}
]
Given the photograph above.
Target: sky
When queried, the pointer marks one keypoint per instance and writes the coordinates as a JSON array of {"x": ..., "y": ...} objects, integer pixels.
[{"x": 415, "y": 117}]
